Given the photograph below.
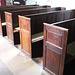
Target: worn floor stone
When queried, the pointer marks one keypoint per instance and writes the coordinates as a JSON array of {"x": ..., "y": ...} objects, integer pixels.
[{"x": 17, "y": 62}]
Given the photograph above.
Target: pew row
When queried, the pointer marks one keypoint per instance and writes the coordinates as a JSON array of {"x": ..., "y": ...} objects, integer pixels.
[
  {"x": 57, "y": 37},
  {"x": 16, "y": 8},
  {"x": 33, "y": 24},
  {"x": 13, "y": 16}
]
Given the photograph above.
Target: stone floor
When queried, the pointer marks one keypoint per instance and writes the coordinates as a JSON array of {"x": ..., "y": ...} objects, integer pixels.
[{"x": 14, "y": 62}]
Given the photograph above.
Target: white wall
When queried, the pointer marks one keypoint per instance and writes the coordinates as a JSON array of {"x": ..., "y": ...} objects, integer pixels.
[{"x": 69, "y": 4}]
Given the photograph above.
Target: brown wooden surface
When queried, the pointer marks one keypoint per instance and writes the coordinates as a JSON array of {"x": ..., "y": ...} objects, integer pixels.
[
  {"x": 37, "y": 21},
  {"x": 14, "y": 8},
  {"x": 9, "y": 27},
  {"x": 56, "y": 40},
  {"x": 25, "y": 35},
  {"x": 14, "y": 16}
]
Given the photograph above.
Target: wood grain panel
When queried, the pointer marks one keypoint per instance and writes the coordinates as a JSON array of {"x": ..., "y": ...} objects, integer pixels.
[
  {"x": 10, "y": 33},
  {"x": 55, "y": 41},
  {"x": 25, "y": 33}
]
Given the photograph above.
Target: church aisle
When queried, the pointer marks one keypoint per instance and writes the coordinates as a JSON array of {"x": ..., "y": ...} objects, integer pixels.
[{"x": 17, "y": 62}]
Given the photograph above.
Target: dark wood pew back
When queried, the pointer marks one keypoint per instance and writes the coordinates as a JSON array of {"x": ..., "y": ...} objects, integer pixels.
[
  {"x": 13, "y": 6},
  {"x": 22, "y": 7},
  {"x": 31, "y": 11},
  {"x": 56, "y": 38},
  {"x": 49, "y": 17},
  {"x": 18, "y": 9}
]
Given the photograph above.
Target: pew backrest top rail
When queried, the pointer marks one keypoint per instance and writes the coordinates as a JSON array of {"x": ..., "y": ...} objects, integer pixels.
[
  {"x": 24, "y": 7},
  {"x": 54, "y": 8}
]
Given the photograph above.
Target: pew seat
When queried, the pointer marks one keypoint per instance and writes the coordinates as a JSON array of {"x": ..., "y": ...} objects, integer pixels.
[{"x": 37, "y": 37}]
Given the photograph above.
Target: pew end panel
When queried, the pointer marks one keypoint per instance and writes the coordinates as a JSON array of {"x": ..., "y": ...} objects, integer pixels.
[
  {"x": 25, "y": 35},
  {"x": 10, "y": 29},
  {"x": 8, "y": 18},
  {"x": 55, "y": 41}
]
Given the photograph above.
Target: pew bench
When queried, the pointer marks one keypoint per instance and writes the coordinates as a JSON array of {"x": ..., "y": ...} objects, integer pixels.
[
  {"x": 33, "y": 24},
  {"x": 57, "y": 39},
  {"x": 13, "y": 8},
  {"x": 15, "y": 22}
]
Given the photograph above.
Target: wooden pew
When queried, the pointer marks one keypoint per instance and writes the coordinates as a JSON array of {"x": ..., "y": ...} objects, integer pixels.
[
  {"x": 31, "y": 25},
  {"x": 2, "y": 15},
  {"x": 15, "y": 22},
  {"x": 57, "y": 38}
]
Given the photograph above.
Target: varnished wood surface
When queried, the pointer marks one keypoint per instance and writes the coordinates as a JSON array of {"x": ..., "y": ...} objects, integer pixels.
[
  {"x": 14, "y": 8},
  {"x": 36, "y": 23},
  {"x": 56, "y": 38},
  {"x": 14, "y": 16},
  {"x": 31, "y": 23}
]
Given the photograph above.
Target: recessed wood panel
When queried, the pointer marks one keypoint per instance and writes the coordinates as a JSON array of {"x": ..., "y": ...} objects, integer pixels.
[
  {"x": 24, "y": 24},
  {"x": 25, "y": 37},
  {"x": 52, "y": 61},
  {"x": 54, "y": 38},
  {"x": 8, "y": 17},
  {"x": 25, "y": 42},
  {"x": 9, "y": 32}
]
